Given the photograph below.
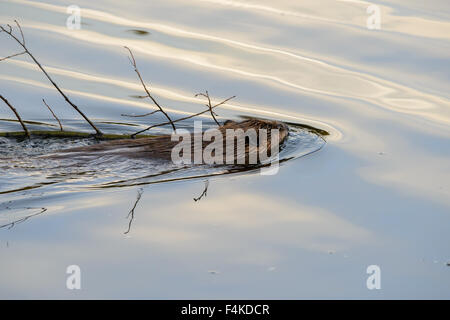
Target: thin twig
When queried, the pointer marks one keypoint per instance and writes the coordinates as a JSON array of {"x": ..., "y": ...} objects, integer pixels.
[
  {"x": 99, "y": 133},
  {"x": 17, "y": 115},
  {"x": 209, "y": 105},
  {"x": 131, "y": 213},
  {"x": 54, "y": 115},
  {"x": 139, "y": 115},
  {"x": 20, "y": 29},
  {"x": 13, "y": 55},
  {"x": 133, "y": 63},
  {"x": 181, "y": 119}
]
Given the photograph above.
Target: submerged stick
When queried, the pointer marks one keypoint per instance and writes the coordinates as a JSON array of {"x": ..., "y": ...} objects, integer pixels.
[
  {"x": 22, "y": 44},
  {"x": 17, "y": 115},
  {"x": 54, "y": 115},
  {"x": 133, "y": 63}
]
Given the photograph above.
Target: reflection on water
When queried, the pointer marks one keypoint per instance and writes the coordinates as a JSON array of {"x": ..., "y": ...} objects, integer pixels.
[
  {"x": 131, "y": 213},
  {"x": 377, "y": 194},
  {"x": 15, "y": 215},
  {"x": 204, "y": 193}
]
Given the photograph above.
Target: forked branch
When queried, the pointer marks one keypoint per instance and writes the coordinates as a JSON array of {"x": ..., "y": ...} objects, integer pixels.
[
  {"x": 160, "y": 109},
  {"x": 213, "y": 114},
  {"x": 181, "y": 119},
  {"x": 9, "y": 31}
]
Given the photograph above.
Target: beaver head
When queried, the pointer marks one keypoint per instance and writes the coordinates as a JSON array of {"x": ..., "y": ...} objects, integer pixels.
[{"x": 259, "y": 124}]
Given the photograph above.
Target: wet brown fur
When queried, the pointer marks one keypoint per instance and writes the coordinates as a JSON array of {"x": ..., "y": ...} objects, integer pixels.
[{"x": 160, "y": 147}]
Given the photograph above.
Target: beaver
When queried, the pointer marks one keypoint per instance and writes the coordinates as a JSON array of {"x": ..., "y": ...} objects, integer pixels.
[{"x": 161, "y": 147}]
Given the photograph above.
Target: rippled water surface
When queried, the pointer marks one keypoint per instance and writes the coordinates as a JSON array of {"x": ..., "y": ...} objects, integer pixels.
[{"x": 373, "y": 191}]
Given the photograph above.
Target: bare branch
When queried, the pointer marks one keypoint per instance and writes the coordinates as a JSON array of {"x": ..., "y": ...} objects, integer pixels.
[
  {"x": 132, "y": 60},
  {"x": 54, "y": 115},
  {"x": 13, "y": 55},
  {"x": 181, "y": 119},
  {"x": 21, "y": 33},
  {"x": 209, "y": 105},
  {"x": 139, "y": 115},
  {"x": 17, "y": 115},
  {"x": 99, "y": 133},
  {"x": 133, "y": 63}
]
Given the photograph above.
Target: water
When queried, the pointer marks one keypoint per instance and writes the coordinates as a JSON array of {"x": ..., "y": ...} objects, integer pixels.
[{"x": 376, "y": 193}]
